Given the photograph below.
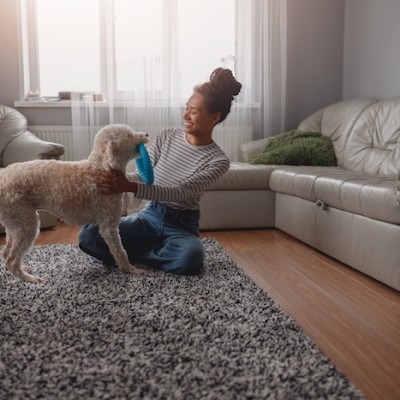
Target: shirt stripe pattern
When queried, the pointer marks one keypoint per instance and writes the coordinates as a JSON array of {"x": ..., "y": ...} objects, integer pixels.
[{"x": 182, "y": 172}]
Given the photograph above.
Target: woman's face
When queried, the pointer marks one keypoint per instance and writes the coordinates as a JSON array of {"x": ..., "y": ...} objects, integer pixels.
[{"x": 198, "y": 120}]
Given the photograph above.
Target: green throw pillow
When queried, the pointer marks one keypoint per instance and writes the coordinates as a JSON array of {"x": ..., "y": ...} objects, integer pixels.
[{"x": 297, "y": 148}]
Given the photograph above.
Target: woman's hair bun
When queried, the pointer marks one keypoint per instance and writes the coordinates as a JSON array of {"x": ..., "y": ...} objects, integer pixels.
[
  {"x": 224, "y": 81},
  {"x": 220, "y": 91}
]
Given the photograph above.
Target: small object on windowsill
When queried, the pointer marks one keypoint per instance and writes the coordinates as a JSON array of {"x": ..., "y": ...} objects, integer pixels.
[
  {"x": 68, "y": 95},
  {"x": 98, "y": 97},
  {"x": 33, "y": 95},
  {"x": 51, "y": 99},
  {"x": 93, "y": 96}
]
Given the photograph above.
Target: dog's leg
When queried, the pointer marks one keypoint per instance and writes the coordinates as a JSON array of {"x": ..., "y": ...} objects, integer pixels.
[
  {"x": 7, "y": 246},
  {"x": 113, "y": 240},
  {"x": 22, "y": 236}
]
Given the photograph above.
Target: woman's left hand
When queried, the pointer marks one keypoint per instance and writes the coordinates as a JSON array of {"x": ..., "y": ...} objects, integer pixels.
[{"x": 114, "y": 182}]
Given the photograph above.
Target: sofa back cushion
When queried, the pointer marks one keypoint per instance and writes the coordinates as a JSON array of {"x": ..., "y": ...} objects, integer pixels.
[
  {"x": 337, "y": 121},
  {"x": 373, "y": 144},
  {"x": 12, "y": 124}
]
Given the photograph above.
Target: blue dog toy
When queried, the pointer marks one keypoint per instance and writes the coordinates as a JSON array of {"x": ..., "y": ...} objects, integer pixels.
[{"x": 144, "y": 166}]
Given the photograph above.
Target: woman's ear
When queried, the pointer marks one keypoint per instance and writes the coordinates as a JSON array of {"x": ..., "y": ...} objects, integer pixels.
[{"x": 216, "y": 117}]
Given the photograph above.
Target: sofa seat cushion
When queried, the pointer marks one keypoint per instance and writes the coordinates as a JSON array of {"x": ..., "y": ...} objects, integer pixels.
[
  {"x": 243, "y": 176},
  {"x": 370, "y": 195},
  {"x": 28, "y": 147},
  {"x": 300, "y": 180}
]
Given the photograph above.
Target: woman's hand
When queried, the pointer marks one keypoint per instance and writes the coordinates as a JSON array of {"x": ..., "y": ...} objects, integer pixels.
[{"x": 114, "y": 182}]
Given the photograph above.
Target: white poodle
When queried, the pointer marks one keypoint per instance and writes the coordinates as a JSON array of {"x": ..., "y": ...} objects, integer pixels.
[{"x": 68, "y": 190}]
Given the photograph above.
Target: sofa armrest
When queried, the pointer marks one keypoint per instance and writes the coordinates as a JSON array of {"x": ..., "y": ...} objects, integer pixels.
[
  {"x": 27, "y": 147},
  {"x": 249, "y": 149}
]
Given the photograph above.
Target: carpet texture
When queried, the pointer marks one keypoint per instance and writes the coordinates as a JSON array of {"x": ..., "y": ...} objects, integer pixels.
[{"x": 91, "y": 332}]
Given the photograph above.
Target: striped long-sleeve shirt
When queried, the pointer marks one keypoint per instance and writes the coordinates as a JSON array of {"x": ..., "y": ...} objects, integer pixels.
[{"x": 182, "y": 172}]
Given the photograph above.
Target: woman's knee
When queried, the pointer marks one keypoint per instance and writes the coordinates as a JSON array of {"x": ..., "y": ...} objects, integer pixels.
[
  {"x": 88, "y": 234},
  {"x": 91, "y": 242},
  {"x": 191, "y": 260}
]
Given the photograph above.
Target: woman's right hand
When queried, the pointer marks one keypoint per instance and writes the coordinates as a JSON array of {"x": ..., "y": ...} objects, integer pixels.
[{"x": 114, "y": 181}]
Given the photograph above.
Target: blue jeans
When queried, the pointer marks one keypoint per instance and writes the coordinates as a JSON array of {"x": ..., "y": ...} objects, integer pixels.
[{"x": 157, "y": 236}]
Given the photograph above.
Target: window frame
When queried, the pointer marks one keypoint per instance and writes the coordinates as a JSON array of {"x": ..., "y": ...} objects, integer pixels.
[{"x": 29, "y": 54}]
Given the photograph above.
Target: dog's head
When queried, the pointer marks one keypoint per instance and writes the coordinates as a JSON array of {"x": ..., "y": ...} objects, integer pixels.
[{"x": 116, "y": 144}]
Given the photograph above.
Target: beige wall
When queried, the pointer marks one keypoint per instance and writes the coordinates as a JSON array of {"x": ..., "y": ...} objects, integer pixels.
[
  {"x": 9, "y": 75},
  {"x": 314, "y": 57},
  {"x": 372, "y": 49}
]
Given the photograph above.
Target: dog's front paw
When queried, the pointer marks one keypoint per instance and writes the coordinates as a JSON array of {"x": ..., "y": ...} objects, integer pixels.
[
  {"x": 141, "y": 272},
  {"x": 21, "y": 273},
  {"x": 29, "y": 278},
  {"x": 130, "y": 269},
  {"x": 33, "y": 279}
]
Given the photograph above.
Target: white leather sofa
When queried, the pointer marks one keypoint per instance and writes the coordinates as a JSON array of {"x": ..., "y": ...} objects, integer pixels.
[
  {"x": 18, "y": 144},
  {"x": 350, "y": 212}
]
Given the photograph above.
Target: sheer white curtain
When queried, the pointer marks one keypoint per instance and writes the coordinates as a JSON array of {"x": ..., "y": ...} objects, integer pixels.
[{"x": 162, "y": 83}]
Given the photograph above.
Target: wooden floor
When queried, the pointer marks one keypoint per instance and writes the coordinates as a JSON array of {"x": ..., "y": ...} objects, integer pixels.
[{"x": 353, "y": 319}]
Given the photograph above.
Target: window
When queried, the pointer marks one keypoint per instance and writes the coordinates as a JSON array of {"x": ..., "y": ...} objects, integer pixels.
[
  {"x": 68, "y": 45},
  {"x": 126, "y": 48}
]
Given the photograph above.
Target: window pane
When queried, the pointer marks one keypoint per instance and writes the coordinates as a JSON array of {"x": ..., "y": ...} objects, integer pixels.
[
  {"x": 206, "y": 37},
  {"x": 139, "y": 45},
  {"x": 68, "y": 45},
  {"x": 160, "y": 46}
]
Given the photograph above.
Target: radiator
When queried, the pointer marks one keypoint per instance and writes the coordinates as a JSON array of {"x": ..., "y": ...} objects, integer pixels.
[
  {"x": 229, "y": 138},
  {"x": 61, "y": 134}
]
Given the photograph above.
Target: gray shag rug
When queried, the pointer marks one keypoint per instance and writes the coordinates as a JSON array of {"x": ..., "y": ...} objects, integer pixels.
[{"x": 90, "y": 332}]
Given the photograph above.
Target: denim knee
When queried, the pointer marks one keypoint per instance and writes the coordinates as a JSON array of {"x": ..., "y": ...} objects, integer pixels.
[
  {"x": 191, "y": 261},
  {"x": 92, "y": 243}
]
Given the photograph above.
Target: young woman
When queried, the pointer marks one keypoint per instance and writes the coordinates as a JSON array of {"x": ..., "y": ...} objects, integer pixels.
[{"x": 165, "y": 234}]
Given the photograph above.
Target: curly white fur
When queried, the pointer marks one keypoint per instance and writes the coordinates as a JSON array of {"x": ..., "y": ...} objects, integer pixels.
[{"x": 68, "y": 190}]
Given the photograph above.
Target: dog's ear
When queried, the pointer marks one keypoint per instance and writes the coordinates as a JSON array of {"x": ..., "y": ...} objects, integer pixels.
[{"x": 110, "y": 160}]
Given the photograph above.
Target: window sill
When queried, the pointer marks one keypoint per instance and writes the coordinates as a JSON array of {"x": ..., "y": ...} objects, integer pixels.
[
  {"x": 95, "y": 104},
  {"x": 51, "y": 104},
  {"x": 116, "y": 104}
]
